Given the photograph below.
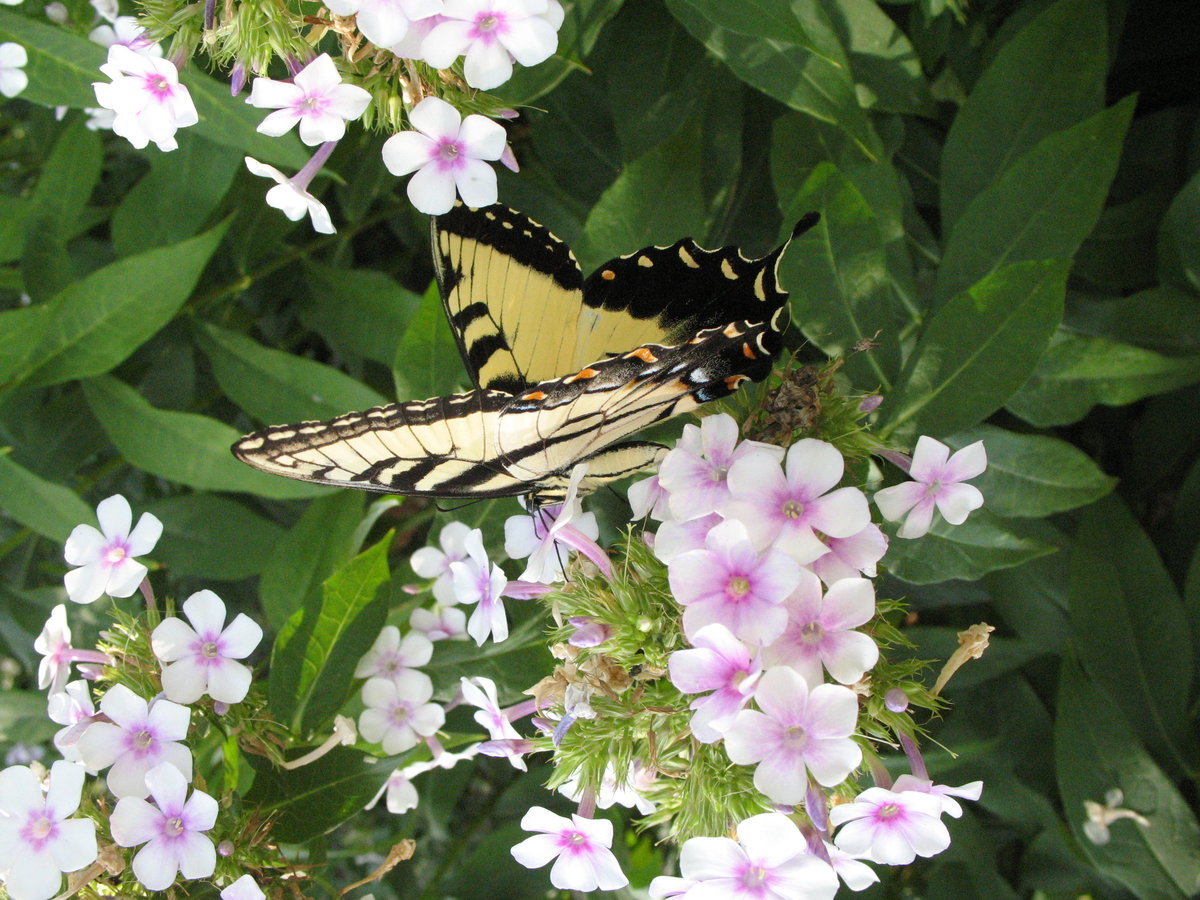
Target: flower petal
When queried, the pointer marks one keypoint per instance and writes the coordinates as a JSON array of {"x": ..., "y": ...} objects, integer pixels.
[
  {"x": 113, "y": 512},
  {"x": 149, "y": 529},
  {"x": 431, "y": 191}
]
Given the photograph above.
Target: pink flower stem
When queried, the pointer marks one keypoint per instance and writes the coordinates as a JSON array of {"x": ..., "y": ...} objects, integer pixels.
[
  {"x": 179, "y": 59},
  {"x": 88, "y": 656},
  {"x": 147, "y": 593},
  {"x": 573, "y": 537},
  {"x": 435, "y": 746},
  {"x": 817, "y": 808},
  {"x": 526, "y": 590},
  {"x": 210, "y": 7},
  {"x": 587, "y": 804},
  {"x": 520, "y": 710},
  {"x": 901, "y": 461},
  {"x": 313, "y": 166},
  {"x": 879, "y": 773},
  {"x": 915, "y": 760},
  {"x": 816, "y": 844}
]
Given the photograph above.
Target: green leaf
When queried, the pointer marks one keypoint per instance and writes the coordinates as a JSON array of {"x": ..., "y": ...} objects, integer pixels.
[
  {"x": 206, "y": 536},
  {"x": 313, "y": 660},
  {"x": 21, "y": 330},
  {"x": 1163, "y": 319},
  {"x": 817, "y": 81},
  {"x": 358, "y": 311},
  {"x": 1047, "y": 77},
  {"x": 837, "y": 277},
  {"x": 182, "y": 447},
  {"x": 1095, "y": 751},
  {"x": 231, "y": 122},
  {"x": 1129, "y": 629},
  {"x": 13, "y": 212},
  {"x": 1031, "y": 475},
  {"x": 23, "y": 717},
  {"x": 1040, "y": 207},
  {"x": 427, "y": 362},
  {"x": 62, "y": 192},
  {"x": 96, "y": 323},
  {"x": 977, "y": 349},
  {"x": 176, "y": 197},
  {"x": 1179, "y": 238},
  {"x": 62, "y": 65},
  {"x": 308, "y": 553},
  {"x": 774, "y": 20},
  {"x": 40, "y": 505},
  {"x": 968, "y": 551},
  {"x": 274, "y": 386},
  {"x": 1079, "y": 371}
]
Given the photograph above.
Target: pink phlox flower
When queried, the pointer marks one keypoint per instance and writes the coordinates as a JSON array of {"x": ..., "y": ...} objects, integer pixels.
[
  {"x": 675, "y": 538},
  {"x": 147, "y": 97},
  {"x": 125, "y": 30},
  {"x": 291, "y": 197},
  {"x": 200, "y": 657},
  {"x": 481, "y": 582},
  {"x": 106, "y": 557},
  {"x": 785, "y": 510},
  {"x": 172, "y": 828},
  {"x": 54, "y": 644},
  {"x": 820, "y": 635},
  {"x": 798, "y": 731},
  {"x": 409, "y": 46},
  {"x": 316, "y": 98},
  {"x": 13, "y": 59},
  {"x": 441, "y": 623},
  {"x": 385, "y": 22},
  {"x": 649, "y": 498},
  {"x": 390, "y": 655},
  {"x": 245, "y": 888},
  {"x": 480, "y": 692},
  {"x": 72, "y": 707},
  {"x": 768, "y": 861},
  {"x": 889, "y": 827},
  {"x": 855, "y": 874},
  {"x": 39, "y": 840},
  {"x": 401, "y": 793},
  {"x": 936, "y": 483},
  {"x": 430, "y": 562},
  {"x": 138, "y": 736},
  {"x": 852, "y": 556},
  {"x": 446, "y": 153},
  {"x": 588, "y": 632},
  {"x": 581, "y": 849},
  {"x": 972, "y": 790},
  {"x": 695, "y": 472},
  {"x": 728, "y": 582},
  {"x": 720, "y": 663},
  {"x": 548, "y": 535},
  {"x": 626, "y": 791},
  {"x": 397, "y": 711},
  {"x": 491, "y": 34}
]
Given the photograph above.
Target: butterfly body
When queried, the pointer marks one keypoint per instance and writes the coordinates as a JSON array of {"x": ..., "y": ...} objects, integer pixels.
[{"x": 548, "y": 396}]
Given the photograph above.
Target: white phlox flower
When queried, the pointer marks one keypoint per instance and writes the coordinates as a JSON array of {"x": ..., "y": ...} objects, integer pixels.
[
  {"x": 315, "y": 98},
  {"x": 431, "y": 562},
  {"x": 579, "y": 846},
  {"x": 125, "y": 30},
  {"x": 291, "y": 197},
  {"x": 13, "y": 60},
  {"x": 72, "y": 707},
  {"x": 625, "y": 792},
  {"x": 548, "y": 535},
  {"x": 200, "y": 657},
  {"x": 446, "y": 154},
  {"x": 492, "y": 34},
  {"x": 107, "y": 557},
  {"x": 937, "y": 478},
  {"x": 145, "y": 93},
  {"x": 397, "y": 711},
  {"x": 481, "y": 582},
  {"x": 385, "y": 23},
  {"x": 892, "y": 828},
  {"x": 390, "y": 654},
  {"x": 441, "y": 623}
]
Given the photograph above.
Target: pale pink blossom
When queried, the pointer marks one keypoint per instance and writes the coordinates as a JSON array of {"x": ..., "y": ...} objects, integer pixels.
[
  {"x": 491, "y": 34},
  {"x": 547, "y": 535},
  {"x": 397, "y": 711},
  {"x": 937, "y": 483},
  {"x": 627, "y": 791},
  {"x": 291, "y": 197},
  {"x": 446, "y": 152},
  {"x": 72, "y": 707},
  {"x": 440, "y": 623},
  {"x": 972, "y": 790},
  {"x": 139, "y": 737},
  {"x": 720, "y": 663},
  {"x": 481, "y": 582},
  {"x": 399, "y": 791},
  {"x": 798, "y": 731},
  {"x": 125, "y": 30},
  {"x": 581, "y": 848},
  {"x": 889, "y": 827},
  {"x": 39, "y": 840},
  {"x": 107, "y": 557},
  {"x": 480, "y": 692},
  {"x": 852, "y": 556},
  {"x": 201, "y": 657},
  {"x": 390, "y": 655},
  {"x": 145, "y": 93},
  {"x": 385, "y": 22},
  {"x": 172, "y": 828},
  {"x": 675, "y": 537},
  {"x": 432, "y": 562},
  {"x": 316, "y": 98},
  {"x": 819, "y": 634},
  {"x": 649, "y": 498}
]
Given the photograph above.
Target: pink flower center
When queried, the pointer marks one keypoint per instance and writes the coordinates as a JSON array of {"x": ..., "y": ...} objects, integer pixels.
[
  {"x": 739, "y": 585},
  {"x": 488, "y": 25},
  {"x": 793, "y": 509},
  {"x": 754, "y": 878},
  {"x": 158, "y": 86},
  {"x": 795, "y": 738},
  {"x": 173, "y": 827},
  {"x": 812, "y": 633},
  {"x": 115, "y": 553},
  {"x": 143, "y": 740},
  {"x": 400, "y": 714},
  {"x": 574, "y": 841},
  {"x": 210, "y": 650},
  {"x": 888, "y": 811},
  {"x": 39, "y": 830},
  {"x": 312, "y": 105}
]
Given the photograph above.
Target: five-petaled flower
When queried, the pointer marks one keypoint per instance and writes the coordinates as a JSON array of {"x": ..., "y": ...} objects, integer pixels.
[
  {"x": 139, "y": 737},
  {"x": 398, "y": 712},
  {"x": 39, "y": 840},
  {"x": 890, "y": 827},
  {"x": 172, "y": 828},
  {"x": 446, "y": 153},
  {"x": 820, "y": 631},
  {"x": 107, "y": 557},
  {"x": 481, "y": 582},
  {"x": 385, "y": 23},
  {"x": 147, "y": 97},
  {"x": 390, "y": 654},
  {"x": 937, "y": 478},
  {"x": 316, "y": 98},
  {"x": 720, "y": 663},
  {"x": 201, "y": 657},
  {"x": 432, "y": 562},
  {"x": 290, "y": 195},
  {"x": 579, "y": 846},
  {"x": 491, "y": 34}
]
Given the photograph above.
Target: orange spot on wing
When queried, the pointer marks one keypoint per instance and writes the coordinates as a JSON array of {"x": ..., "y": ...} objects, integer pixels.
[
  {"x": 583, "y": 375},
  {"x": 733, "y": 382},
  {"x": 608, "y": 274},
  {"x": 535, "y": 395},
  {"x": 748, "y": 352},
  {"x": 644, "y": 354}
]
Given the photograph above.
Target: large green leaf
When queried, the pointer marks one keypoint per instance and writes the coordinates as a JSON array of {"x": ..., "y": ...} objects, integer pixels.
[
  {"x": 977, "y": 350},
  {"x": 43, "y": 506},
  {"x": 1096, "y": 751},
  {"x": 182, "y": 447},
  {"x": 231, "y": 122},
  {"x": 62, "y": 65},
  {"x": 308, "y": 554},
  {"x": 1033, "y": 475},
  {"x": 1129, "y": 630},
  {"x": 1079, "y": 371},
  {"x": 1047, "y": 77},
  {"x": 359, "y": 311},
  {"x": 1179, "y": 239},
  {"x": 1162, "y": 318},
  {"x": 211, "y": 537},
  {"x": 980, "y": 545},
  {"x": 21, "y": 330},
  {"x": 426, "y": 361},
  {"x": 313, "y": 660},
  {"x": 1040, "y": 207},
  {"x": 277, "y": 387},
  {"x": 97, "y": 322}
]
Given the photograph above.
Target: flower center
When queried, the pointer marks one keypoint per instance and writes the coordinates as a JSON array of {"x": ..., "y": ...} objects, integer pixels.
[
  {"x": 448, "y": 151},
  {"x": 41, "y": 827},
  {"x": 812, "y": 633},
  {"x": 488, "y": 22},
  {"x": 209, "y": 650},
  {"x": 575, "y": 838},
  {"x": 159, "y": 86},
  {"x": 795, "y": 738},
  {"x": 143, "y": 740},
  {"x": 717, "y": 473},
  {"x": 115, "y": 554},
  {"x": 739, "y": 585},
  {"x": 312, "y": 104},
  {"x": 793, "y": 509},
  {"x": 400, "y": 714},
  {"x": 173, "y": 827},
  {"x": 755, "y": 877},
  {"x": 888, "y": 811}
]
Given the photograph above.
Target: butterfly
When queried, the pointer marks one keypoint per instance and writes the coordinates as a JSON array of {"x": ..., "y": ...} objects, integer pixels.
[{"x": 564, "y": 367}]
